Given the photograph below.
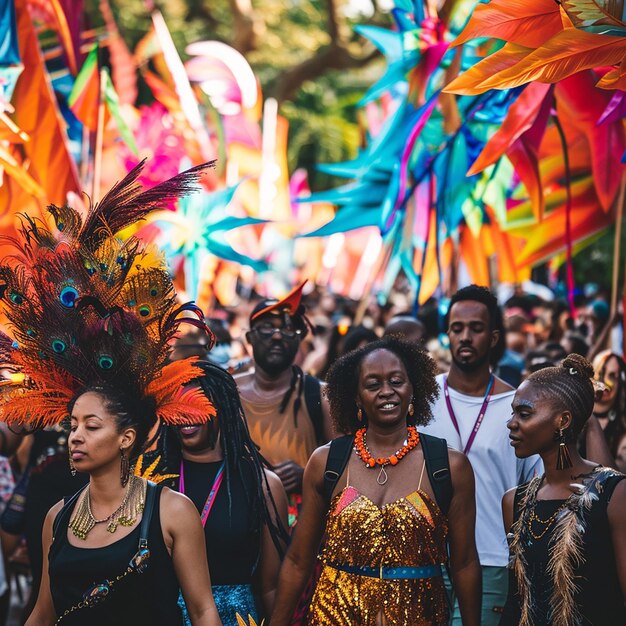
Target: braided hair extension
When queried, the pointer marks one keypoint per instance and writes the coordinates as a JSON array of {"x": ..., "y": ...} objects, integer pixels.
[
  {"x": 570, "y": 388},
  {"x": 239, "y": 451},
  {"x": 297, "y": 380}
]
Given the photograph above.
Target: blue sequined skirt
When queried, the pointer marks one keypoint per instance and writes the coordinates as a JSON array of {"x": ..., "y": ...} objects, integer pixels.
[{"x": 230, "y": 600}]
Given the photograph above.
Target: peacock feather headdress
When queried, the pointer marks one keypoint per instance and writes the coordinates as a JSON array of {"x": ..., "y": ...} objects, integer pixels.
[{"x": 87, "y": 309}]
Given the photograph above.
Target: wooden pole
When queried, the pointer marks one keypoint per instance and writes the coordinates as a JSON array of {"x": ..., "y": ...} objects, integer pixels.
[
  {"x": 383, "y": 259},
  {"x": 97, "y": 163},
  {"x": 617, "y": 243}
]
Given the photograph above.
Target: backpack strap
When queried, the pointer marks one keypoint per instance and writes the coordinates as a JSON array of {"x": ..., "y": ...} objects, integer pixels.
[
  {"x": 148, "y": 508},
  {"x": 338, "y": 458},
  {"x": 438, "y": 468},
  {"x": 313, "y": 401}
]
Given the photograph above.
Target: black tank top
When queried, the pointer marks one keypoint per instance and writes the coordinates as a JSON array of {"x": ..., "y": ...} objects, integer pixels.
[
  {"x": 232, "y": 539},
  {"x": 599, "y": 599},
  {"x": 148, "y": 599}
]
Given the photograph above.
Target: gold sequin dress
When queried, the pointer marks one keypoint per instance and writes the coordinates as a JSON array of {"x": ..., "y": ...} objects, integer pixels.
[{"x": 409, "y": 532}]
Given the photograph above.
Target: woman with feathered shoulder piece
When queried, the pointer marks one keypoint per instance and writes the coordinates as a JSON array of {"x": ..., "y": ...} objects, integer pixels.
[
  {"x": 91, "y": 319},
  {"x": 567, "y": 528}
]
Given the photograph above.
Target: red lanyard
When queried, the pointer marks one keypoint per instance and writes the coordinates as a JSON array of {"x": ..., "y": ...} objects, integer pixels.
[
  {"x": 208, "y": 505},
  {"x": 481, "y": 413}
]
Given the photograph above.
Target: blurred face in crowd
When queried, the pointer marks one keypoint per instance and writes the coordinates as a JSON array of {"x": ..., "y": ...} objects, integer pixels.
[
  {"x": 275, "y": 342},
  {"x": 609, "y": 375},
  {"x": 193, "y": 343},
  {"x": 471, "y": 337}
]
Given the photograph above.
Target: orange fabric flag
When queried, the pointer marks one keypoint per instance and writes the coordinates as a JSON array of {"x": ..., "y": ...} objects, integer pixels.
[{"x": 45, "y": 157}]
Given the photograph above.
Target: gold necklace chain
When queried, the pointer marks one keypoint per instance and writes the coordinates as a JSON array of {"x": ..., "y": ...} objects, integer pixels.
[
  {"x": 108, "y": 517},
  {"x": 548, "y": 522},
  {"x": 83, "y": 521}
]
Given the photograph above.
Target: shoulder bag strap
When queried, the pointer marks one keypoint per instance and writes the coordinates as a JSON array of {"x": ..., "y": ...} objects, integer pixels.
[
  {"x": 438, "y": 468},
  {"x": 148, "y": 508},
  {"x": 338, "y": 458}
]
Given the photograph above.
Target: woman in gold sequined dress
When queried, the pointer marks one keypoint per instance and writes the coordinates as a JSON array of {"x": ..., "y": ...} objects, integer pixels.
[{"x": 385, "y": 535}]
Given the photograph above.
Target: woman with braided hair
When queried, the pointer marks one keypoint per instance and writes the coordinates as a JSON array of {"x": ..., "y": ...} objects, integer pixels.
[
  {"x": 243, "y": 505},
  {"x": 91, "y": 319},
  {"x": 567, "y": 527}
]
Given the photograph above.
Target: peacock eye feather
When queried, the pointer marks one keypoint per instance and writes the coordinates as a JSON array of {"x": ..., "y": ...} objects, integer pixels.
[
  {"x": 154, "y": 292},
  {"x": 145, "y": 311},
  {"x": 105, "y": 362},
  {"x": 59, "y": 346},
  {"x": 16, "y": 298},
  {"x": 68, "y": 297}
]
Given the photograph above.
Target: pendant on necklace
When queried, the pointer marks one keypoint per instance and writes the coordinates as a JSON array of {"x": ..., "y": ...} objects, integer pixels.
[{"x": 382, "y": 477}]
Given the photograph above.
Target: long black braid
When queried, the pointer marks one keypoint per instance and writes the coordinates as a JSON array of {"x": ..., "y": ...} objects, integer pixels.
[
  {"x": 239, "y": 451},
  {"x": 297, "y": 385}
]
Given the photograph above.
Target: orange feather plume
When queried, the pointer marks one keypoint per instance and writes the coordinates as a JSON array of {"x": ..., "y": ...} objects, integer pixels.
[
  {"x": 186, "y": 406},
  {"x": 177, "y": 405}
]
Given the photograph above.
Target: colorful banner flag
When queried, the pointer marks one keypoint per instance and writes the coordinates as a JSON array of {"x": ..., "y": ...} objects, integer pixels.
[
  {"x": 113, "y": 105},
  {"x": 46, "y": 160},
  {"x": 9, "y": 48},
  {"x": 83, "y": 100}
]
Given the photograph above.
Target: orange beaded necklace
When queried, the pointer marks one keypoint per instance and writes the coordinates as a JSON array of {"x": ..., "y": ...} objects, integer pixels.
[{"x": 360, "y": 446}]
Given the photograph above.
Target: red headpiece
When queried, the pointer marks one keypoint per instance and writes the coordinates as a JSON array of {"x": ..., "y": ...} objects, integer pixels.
[{"x": 290, "y": 304}]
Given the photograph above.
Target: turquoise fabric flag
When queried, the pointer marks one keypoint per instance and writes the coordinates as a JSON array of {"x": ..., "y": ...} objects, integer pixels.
[
  {"x": 10, "y": 61},
  {"x": 9, "y": 49}
]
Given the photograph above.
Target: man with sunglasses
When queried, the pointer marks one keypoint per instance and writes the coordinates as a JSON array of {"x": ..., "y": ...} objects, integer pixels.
[{"x": 287, "y": 415}]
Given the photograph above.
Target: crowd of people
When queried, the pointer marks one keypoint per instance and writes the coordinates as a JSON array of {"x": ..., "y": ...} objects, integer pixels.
[
  {"x": 384, "y": 537},
  {"x": 301, "y": 460}
]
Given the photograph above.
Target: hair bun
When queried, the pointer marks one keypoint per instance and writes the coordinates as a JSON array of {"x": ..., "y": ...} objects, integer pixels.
[{"x": 577, "y": 365}]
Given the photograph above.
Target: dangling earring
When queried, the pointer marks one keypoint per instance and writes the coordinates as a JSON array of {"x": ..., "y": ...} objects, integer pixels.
[
  {"x": 124, "y": 468},
  {"x": 563, "y": 459},
  {"x": 359, "y": 414},
  {"x": 411, "y": 409},
  {"x": 72, "y": 468}
]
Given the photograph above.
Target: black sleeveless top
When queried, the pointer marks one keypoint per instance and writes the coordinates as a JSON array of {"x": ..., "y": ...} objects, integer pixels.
[
  {"x": 232, "y": 538},
  {"x": 599, "y": 599},
  {"x": 147, "y": 599}
]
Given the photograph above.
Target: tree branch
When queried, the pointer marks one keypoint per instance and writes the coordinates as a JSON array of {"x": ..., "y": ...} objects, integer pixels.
[
  {"x": 248, "y": 26},
  {"x": 335, "y": 56},
  {"x": 328, "y": 58}
]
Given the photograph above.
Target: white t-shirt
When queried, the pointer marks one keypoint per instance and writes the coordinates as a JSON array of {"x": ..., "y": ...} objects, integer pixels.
[{"x": 496, "y": 468}]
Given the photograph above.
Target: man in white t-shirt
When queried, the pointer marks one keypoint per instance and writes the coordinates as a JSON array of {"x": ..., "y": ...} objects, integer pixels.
[{"x": 471, "y": 414}]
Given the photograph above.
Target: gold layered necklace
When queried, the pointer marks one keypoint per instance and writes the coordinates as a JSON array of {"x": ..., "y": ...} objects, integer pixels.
[
  {"x": 547, "y": 523},
  {"x": 83, "y": 520}
]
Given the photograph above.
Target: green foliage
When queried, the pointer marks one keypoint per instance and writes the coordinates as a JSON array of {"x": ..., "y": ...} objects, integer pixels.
[{"x": 323, "y": 112}]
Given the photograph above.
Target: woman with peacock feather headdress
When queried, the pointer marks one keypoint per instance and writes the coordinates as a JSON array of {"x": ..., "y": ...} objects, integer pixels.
[{"x": 91, "y": 319}]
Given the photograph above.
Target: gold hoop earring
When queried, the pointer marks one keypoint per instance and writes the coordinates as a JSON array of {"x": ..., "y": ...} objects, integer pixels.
[{"x": 411, "y": 409}]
